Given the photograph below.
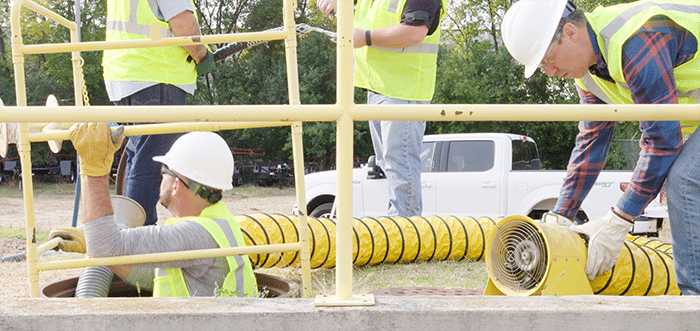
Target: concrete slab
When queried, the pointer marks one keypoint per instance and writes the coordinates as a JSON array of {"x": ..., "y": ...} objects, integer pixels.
[{"x": 389, "y": 313}]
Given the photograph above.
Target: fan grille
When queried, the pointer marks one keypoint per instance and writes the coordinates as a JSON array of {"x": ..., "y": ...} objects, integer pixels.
[{"x": 519, "y": 256}]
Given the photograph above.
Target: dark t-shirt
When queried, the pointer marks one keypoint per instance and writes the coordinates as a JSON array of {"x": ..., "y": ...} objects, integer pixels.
[{"x": 422, "y": 12}]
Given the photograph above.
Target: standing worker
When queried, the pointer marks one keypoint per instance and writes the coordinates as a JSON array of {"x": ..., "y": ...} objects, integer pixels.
[
  {"x": 644, "y": 52},
  {"x": 396, "y": 46},
  {"x": 196, "y": 170},
  {"x": 151, "y": 76}
]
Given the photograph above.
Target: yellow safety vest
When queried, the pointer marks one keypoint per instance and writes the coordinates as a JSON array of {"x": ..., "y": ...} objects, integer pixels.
[
  {"x": 614, "y": 25},
  {"x": 240, "y": 281},
  {"x": 131, "y": 20},
  {"x": 402, "y": 73}
]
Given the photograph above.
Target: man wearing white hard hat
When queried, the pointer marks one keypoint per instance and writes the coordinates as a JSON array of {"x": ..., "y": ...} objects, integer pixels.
[
  {"x": 196, "y": 169},
  {"x": 643, "y": 52}
]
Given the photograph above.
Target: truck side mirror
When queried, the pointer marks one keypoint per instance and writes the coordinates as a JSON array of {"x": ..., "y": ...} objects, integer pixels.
[{"x": 373, "y": 170}]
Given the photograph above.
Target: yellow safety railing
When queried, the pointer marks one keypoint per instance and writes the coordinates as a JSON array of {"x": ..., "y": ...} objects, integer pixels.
[
  {"x": 31, "y": 131},
  {"x": 344, "y": 113}
]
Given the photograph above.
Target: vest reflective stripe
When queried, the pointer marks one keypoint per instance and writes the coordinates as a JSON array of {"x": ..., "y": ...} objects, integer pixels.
[
  {"x": 393, "y": 6},
  {"x": 418, "y": 49},
  {"x": 616, "y": 24},
  {"x": 131, "y": 20},
  {"x": 589, "y": 85},
  {"x": 237, "y": 266},
  {"x": 403, "y": 73}
]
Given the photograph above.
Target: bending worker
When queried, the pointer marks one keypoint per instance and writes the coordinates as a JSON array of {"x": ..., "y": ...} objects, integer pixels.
[
  {"x": 643, "y": 52},
  {"x": 196, "y": 169},
  {"x": 396, "y": 47}
]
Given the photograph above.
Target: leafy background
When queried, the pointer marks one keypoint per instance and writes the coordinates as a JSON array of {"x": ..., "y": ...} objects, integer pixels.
[{"x": 473, "y": 68}]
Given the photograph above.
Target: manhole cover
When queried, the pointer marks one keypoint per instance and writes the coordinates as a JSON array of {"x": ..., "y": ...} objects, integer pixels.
[{"x": 399, "y": 291}]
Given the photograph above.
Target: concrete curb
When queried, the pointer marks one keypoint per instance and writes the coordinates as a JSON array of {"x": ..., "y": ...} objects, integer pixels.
[{"x": 389, "y": 313}]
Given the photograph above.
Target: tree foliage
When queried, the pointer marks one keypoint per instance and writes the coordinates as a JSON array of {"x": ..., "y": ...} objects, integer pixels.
[{"x": 473, "y": 68}]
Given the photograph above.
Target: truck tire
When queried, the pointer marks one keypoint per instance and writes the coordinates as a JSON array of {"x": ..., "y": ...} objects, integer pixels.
[{"x": 322, "y": 211}]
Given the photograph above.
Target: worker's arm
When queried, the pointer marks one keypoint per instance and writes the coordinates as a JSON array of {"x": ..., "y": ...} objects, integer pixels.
[
  {"x": 185, "y": 24},
  {"x": 395, "y": 36}
]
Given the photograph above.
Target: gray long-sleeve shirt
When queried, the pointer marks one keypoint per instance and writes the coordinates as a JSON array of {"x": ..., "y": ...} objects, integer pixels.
[{"x": 203, "y": 276}]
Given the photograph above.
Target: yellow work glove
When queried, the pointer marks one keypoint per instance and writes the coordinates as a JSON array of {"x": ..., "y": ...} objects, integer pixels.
[
  {"x": 95, "y": 146},
  {"x": 73, "y": 239}
]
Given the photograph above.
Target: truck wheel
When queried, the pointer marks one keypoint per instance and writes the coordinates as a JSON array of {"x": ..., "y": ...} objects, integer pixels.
[{"x": 322, "y": 211}]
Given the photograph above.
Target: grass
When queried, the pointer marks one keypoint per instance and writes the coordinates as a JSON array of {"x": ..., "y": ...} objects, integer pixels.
[{"x": 439, "y": 274}]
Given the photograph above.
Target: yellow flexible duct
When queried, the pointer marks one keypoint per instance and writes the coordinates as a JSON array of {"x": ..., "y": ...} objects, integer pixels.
[
  {"x": 645, "y": 266},
  {"x": 376, "y": 240}
]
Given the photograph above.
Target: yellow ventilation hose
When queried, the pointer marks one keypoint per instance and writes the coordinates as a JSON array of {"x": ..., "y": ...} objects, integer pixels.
[
  {"x": 375, "y": 240},
  {"x": 645, "y": 266}
]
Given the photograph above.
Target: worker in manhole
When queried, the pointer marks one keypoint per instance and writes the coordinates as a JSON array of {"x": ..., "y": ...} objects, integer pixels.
[
  {"x": 643, "y": 52},
  {"x": 196, "y": 169}
]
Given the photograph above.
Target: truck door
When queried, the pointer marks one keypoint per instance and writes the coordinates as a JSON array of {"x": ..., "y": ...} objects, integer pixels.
[{"x": 469, "y": 180}]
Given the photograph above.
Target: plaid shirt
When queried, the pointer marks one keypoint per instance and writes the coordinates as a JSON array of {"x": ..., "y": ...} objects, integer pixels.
[{"x": 648, "y": 60}]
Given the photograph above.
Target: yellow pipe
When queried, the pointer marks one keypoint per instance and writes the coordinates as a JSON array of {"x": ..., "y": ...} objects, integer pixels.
[
  {"x": 159, "y": 114},
  {"x": 344, "y": 149},
  {"x": 329, "y": 113},
  {"x": 297, "y": 140},
  {"x": 305, "y": 253},
  {"x": 141, "y": 129},
  {"x": 437, "y": 112},
  {"x": 145, "y": 43},
  {"x": 168, "y": 256}
]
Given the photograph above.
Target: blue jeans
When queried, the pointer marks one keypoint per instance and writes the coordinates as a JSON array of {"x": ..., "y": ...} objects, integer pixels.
[
  {"x": 683, "y": 193},
  {"x": 142, "y": 176},
  {"x": 397, "y": 145}
]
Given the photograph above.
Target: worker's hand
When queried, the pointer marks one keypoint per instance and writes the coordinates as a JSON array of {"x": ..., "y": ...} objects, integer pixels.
[
  {"x": 206, "y": 64},
  {"x": 73, "y": 239},
  {"x": 551, "y": 217},
  {"x": 95, "y": 145},
  {"x": 606, "y": 237},
  {"x": 326, "y": 6}
]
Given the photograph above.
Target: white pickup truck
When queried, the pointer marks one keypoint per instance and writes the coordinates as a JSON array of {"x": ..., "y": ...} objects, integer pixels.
[{"x": 478, "y": 174}]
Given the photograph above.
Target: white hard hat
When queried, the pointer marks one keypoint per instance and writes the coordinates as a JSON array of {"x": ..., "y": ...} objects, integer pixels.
[
  {"x": 528, "y": 28},
  {"x": 203, "y": 157}
]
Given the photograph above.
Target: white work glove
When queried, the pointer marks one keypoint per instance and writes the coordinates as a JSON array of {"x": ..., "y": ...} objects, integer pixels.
[
  {"x": 606, "y": 237},
  {"x": 556, "y": 219}
]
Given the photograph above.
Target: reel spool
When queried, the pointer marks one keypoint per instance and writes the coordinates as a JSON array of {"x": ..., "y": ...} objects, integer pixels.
[
  {"x": 54, "y": 145},
  {"x": 9, "y": 131},
  {"x": 526, "y": 257},
  {"x": 8, "y": 134}
]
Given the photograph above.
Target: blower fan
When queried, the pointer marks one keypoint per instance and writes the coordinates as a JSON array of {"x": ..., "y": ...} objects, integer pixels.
[{"x": 528, "y": 257}]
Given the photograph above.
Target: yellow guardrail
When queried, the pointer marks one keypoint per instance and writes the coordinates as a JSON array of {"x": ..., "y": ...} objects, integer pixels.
[
  {"x": 344, "y": 113},
  {"x": 60, "y": 119}
]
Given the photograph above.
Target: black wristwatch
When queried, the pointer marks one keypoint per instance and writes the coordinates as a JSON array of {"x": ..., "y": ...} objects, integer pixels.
[{"x": 368, "y": 38}]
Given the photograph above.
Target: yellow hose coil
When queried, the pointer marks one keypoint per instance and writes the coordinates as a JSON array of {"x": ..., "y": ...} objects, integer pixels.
[
  {"x": 375, "y": 240},
  {"x": 645, "y": 266}
]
